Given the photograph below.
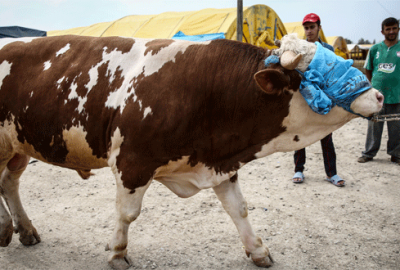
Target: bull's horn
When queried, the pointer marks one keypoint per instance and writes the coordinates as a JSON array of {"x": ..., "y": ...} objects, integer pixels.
[{"x": 290, "y": 60}]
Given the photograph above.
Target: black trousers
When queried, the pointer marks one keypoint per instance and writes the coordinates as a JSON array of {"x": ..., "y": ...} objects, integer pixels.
[{"x": 328, "y": 152}]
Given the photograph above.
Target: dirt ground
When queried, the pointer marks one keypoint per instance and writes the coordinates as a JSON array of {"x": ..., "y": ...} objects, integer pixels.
[{"x": 313, "y": 225}]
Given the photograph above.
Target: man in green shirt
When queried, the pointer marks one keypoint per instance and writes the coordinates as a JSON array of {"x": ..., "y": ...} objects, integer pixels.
[{"x": 383, "y": 70}]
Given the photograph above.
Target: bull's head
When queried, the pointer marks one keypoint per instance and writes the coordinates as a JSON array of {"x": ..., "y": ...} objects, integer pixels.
[{"x": 327, "y": 79}]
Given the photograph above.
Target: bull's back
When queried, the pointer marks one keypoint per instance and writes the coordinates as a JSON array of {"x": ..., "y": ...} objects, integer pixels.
[{"x": 64, "y": 98}]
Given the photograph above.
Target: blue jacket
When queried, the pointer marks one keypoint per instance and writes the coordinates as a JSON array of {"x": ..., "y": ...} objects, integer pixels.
[{"x": 330, "y": 80}]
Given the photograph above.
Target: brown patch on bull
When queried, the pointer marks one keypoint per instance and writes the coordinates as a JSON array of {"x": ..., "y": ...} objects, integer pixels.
[
  {"x": 296, "y": 138},
  {"x": 119, "y": 44},
  {"x": 156, "y": 45}
]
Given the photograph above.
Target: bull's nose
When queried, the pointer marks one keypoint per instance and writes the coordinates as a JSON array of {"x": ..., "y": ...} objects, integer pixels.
[{"x": 380, "y": 98}]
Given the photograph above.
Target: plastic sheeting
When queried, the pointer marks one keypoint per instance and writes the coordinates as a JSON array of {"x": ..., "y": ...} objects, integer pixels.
[
  {"x": 261, "y": 25},
  {"x": 331, "y": 80},
  {"x": 18, "y": 31}
]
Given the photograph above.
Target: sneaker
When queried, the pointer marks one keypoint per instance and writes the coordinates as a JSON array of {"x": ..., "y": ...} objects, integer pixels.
[
  {"x": 364, "y": 159},
  {"x": 395, "y": 160}
]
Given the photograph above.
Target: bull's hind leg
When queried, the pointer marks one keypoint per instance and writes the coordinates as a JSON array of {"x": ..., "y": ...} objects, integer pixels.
[
  {"x": 9, "y": 184},
  {"x": 6, "y": 225},
  {"x": 128, "y": 206},
  {"x": 232, "y": 200}
]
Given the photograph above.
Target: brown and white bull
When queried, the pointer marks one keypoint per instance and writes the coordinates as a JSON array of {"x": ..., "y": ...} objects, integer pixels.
[{"x": 186, "y": 114}]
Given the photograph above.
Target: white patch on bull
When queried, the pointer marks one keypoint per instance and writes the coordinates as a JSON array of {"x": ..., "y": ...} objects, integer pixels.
[
  {"x": 116, "y": 141},
  {"x": 185, "y": 180},
  {"x": 47, "y": 65},
  {"x": 6, "y": 41},
  {"x": 80, "y": 155},
  {"x": 74, "y": 95},
  {"x": 146, "y": 112},
  {"x": 31, "y": 94},
  {"x": 5, "y": 70},
  {"x": 135, "y": 63},
  {"x": 93, "y": 76},
  {"x": 60, "y": 81},
  {"x": 63, "y": 50},
  {"x": 82, "y": 102}
]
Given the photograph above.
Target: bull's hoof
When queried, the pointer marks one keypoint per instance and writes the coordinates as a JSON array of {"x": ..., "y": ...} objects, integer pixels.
[
  {"x": 120, "y": 263},
  {"x": 28, "y": 237},
  {"x": 6, "y": 235},
  {"x": 264, "y": 262}
]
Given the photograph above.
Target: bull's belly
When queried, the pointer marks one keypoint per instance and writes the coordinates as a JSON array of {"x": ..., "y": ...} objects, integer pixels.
[
  {"x": 78, "y": 156},
  {"x": 185, "y": 180}
]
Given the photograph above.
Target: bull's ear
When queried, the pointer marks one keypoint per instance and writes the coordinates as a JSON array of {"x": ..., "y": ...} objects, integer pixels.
[{"x": 271, "y": 81}]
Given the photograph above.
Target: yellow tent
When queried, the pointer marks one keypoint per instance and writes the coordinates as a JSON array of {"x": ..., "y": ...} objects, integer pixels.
[
  {"x": 339, "y": 44},
  {"x": 261, "y": 25},
  {"x": 297, "y": 27}
]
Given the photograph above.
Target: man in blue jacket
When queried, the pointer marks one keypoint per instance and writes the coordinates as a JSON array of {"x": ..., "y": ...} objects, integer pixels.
[{"x": 312, "y": 26}]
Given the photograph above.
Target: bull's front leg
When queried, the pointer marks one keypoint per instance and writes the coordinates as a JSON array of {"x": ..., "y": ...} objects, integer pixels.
[
  {"x": 9, "y": 185},
  {"x": 232, "y": 200},
  {"x": 128, "y": 206}
]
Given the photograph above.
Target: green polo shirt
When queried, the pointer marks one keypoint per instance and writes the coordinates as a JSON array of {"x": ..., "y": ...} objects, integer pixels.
[{"x": 385, "y": 65}]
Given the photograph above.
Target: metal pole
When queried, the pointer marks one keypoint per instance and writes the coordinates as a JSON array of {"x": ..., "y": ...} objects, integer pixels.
[{"x": 239, "y": 25}]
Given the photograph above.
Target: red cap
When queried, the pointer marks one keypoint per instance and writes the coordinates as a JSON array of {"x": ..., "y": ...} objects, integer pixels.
[{"x": 312, "y": 17}]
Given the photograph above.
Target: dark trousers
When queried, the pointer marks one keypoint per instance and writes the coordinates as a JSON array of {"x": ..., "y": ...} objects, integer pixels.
[
  {"x": 374, "y": 134},
  {"x": 328, "y": 152}
]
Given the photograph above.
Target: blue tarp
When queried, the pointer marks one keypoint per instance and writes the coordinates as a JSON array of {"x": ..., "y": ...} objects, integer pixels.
[
  {"x": 205, "y": 37},
  {"x": 18, "y": 31}
]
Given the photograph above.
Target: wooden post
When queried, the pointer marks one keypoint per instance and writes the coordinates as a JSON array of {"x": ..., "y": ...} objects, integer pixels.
[{"x": 239, "y": 25}]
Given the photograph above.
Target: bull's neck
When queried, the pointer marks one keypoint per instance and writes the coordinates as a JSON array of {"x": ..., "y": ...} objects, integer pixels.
[{"x": 305, "y": 127}]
